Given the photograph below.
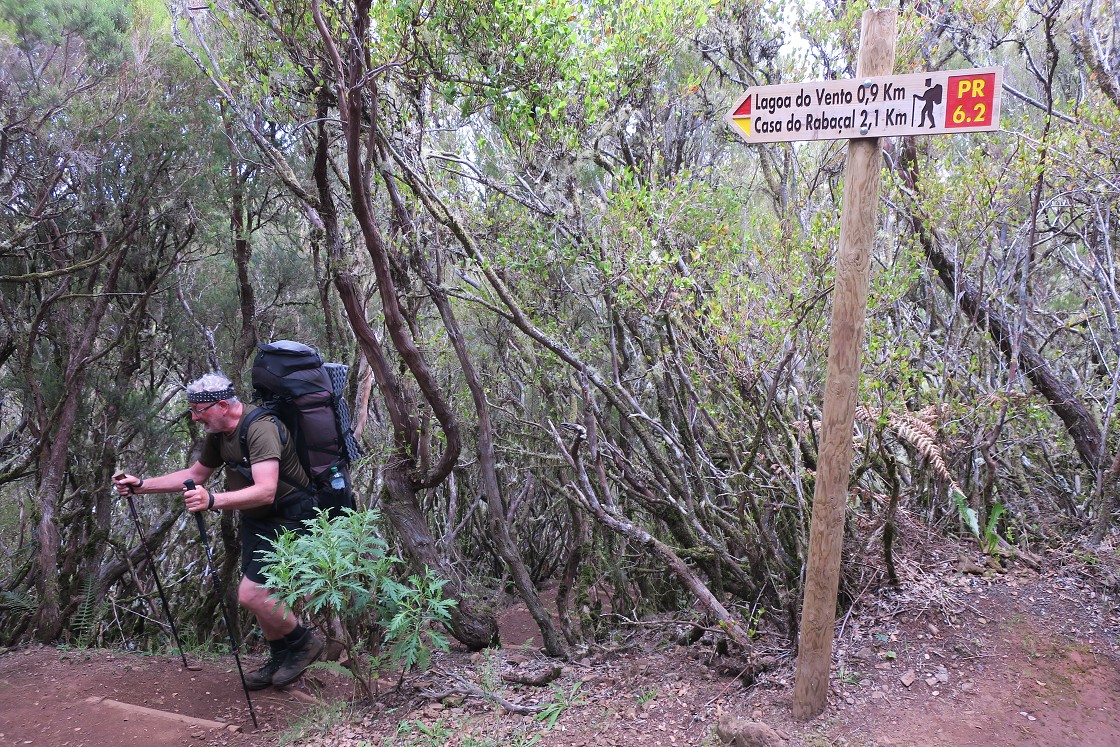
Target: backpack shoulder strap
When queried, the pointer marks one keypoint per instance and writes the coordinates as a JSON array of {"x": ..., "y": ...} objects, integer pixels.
[{"x": 243, "y": 438}]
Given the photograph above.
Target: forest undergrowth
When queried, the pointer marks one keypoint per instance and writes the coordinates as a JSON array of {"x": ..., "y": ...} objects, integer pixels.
[{"x": 967, "y": 649}]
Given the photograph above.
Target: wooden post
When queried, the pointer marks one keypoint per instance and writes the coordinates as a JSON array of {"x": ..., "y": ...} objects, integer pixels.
[{"x": 849, "y": 309}]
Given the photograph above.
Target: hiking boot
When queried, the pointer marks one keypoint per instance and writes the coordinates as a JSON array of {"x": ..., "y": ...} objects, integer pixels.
[
  {"x": 261, "y": 678},
  {"x": 300, "y": 655}
]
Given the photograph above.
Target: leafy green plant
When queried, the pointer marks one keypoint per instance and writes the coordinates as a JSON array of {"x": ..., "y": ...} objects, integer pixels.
[
  {"x": 415, "y": 606},
  {"x": 489, "y": 671},
  {"x": 1087, "y": 557},
  {"x": 517, "y": 738},
  {"x": 968, "y": 514},
  {"x": 331, "y": 566},
  {"x": 989, "y": 538},
  {"x": 561, "y": 701},
  {"x": 418, "y": 733},
  {"x": 646, "y": 696},
  {"x": 341, "y": 567},
  {"x": 753, "y": 623}
]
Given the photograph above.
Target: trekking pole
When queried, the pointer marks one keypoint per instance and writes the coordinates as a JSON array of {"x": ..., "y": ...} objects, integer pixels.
[
  {"x": 189, "y": 485},
  {"x": 155, "y": 575}
]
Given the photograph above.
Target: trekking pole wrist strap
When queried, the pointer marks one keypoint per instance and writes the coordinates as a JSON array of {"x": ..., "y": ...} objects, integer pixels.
[{"x": 210, "y": 506}]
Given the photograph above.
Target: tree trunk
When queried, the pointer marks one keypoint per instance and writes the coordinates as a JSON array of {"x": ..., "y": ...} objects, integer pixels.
[
  {"x": 495, "y": 500},
  {"x": 473, "y": 627},
  {"x": 496, "y": 510},
  {"x": 246, "y": 339},
  {"x": 47, "y": 622},
  {"x": 583, "y": 493}
]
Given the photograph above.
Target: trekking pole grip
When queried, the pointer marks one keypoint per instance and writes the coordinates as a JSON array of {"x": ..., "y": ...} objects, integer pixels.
[{"x": 189, "y": 485}]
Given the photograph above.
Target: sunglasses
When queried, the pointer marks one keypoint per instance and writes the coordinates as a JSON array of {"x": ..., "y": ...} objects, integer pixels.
[{"x": 201, "y": 410}]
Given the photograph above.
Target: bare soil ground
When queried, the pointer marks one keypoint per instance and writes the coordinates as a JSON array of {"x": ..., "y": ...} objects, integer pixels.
[{"x": 960, "y": 654}]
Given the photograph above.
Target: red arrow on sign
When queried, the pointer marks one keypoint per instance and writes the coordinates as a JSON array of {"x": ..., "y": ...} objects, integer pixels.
[{"x": 741, "y": 117}]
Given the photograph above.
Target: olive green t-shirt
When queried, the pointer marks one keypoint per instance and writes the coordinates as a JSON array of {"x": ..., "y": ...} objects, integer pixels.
[{"x": 263, "y": 440}]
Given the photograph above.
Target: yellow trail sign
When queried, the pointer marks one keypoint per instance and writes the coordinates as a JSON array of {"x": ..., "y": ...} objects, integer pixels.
[{"x": 931, "y": 103}]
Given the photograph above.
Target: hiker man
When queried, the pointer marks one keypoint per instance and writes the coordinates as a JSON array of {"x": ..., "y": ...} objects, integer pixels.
[{"x": 268, "y": 506}]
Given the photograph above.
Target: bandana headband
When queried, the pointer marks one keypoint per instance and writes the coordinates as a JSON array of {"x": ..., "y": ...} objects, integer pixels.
[{"x": 217, "y": 396}]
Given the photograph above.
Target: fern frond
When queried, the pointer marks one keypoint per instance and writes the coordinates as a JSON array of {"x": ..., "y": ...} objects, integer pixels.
[
  {"x": 868, "y": 415},
  {"x": 931, "y": 415},
  {"x": 926, "y": 447},
  {"x": 333, "y": 666},
  {"x": 926, "y": 428},
  {"x": 85, "y": 621},
  {"x": 25, "y": 604},
  {"x": 917, "y": 429}
]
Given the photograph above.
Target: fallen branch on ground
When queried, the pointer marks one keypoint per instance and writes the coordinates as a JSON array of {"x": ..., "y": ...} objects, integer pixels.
[
  {"x": 461, "y": 686},
  {"x": 538, "y": 678}
]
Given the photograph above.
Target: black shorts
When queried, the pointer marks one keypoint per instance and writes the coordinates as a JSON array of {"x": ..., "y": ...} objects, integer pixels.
[{"x": 258, "y": 535}]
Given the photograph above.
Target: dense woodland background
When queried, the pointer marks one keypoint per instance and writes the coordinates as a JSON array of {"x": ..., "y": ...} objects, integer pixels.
[{"x": 586, "y": 325}]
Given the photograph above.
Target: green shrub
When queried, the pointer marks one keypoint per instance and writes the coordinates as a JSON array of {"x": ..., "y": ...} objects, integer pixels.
[{"x": 341, "y": 569}]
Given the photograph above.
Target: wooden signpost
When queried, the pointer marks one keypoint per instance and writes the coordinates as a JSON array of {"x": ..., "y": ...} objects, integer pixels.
[{"x": 875, "y": 104}]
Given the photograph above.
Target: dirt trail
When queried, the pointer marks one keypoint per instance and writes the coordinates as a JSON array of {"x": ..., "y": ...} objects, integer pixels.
[
  {"x": 953, "y": 660},
  {"x": 50, "y": 697}
]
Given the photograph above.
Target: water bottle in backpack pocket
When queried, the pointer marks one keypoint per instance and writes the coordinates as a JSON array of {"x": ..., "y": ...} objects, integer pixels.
[{"x": 335, "y": 495}]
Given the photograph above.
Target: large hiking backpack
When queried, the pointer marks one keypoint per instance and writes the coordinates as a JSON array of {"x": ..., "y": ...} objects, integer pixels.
[{"x": 291, "y": 382}]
